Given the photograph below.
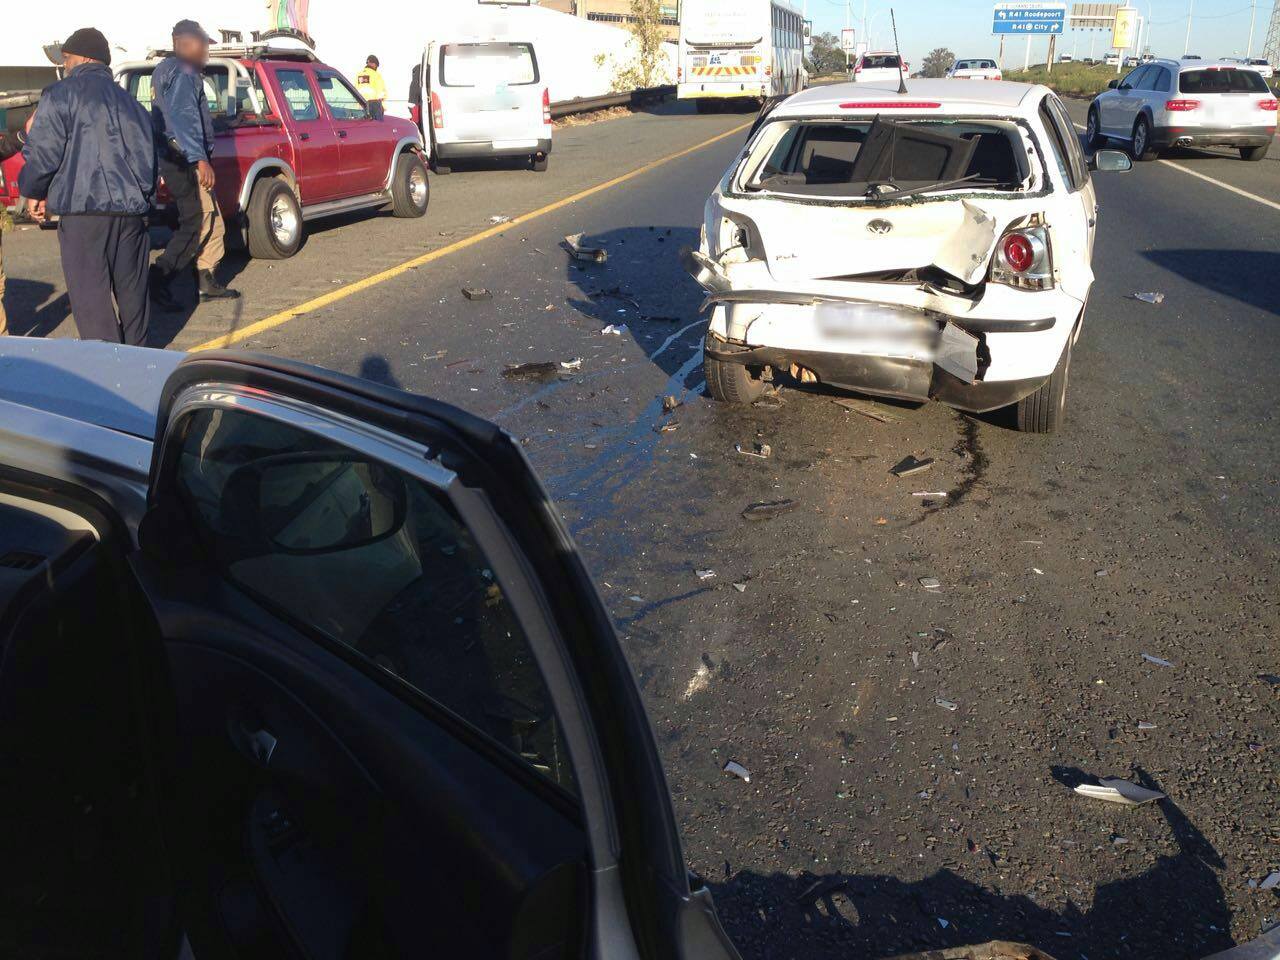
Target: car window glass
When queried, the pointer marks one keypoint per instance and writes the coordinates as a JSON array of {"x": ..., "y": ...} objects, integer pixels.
[
  {"x": 1057, "y": 145},
  {"x": 489, "y": 66},
  {"x": 1077, "y": 163},
  {"x": 297, "y": 94},
  {"x": 880, "y": 61},
  {"x": 1163, "y": 79},
  {"x": 343, "y": 102},
  {"x": 1222, "y": 81},
  {"x": 365, "y": 557},
  {"x": 1131, "y": 79},
  {"x": 1150, "y": 77}
]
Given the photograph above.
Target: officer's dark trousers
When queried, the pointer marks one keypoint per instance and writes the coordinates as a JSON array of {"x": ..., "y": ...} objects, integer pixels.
[{"x": 104, "y": 260}]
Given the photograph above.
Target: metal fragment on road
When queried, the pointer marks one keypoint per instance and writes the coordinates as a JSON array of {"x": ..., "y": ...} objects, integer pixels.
[
  {"x": 574, "y": 364},
  {"x": 909, "y": 466},
  {"x": 1272, "y": 880},
  {"x": 670, "y": 427},
  {"x": 541, "y": 372},
  {"x": 740, "y": 587},
  {"x": 617, "y": 329},
  {"x": 930, "y": 583},
  {"x": 738, "y": 770},
  {"x": 761, "y": 451},
  {"x": 581, "y": 251},
  {"x": 1115, "y": 790},
  {"x": 946, "y": 704},
  {"x": 705, "y": 574},
  {"x": 930, "y": 493},
  {"x": 871, "y": 411},
  {"x": 1158, "y": 661},
  {"x": 1144, "y": 725},
  {"x": 1149, "y": 297},
  {"x": 767, "y": 510},
  {"x": 476, "y": 293},
  {"x": 499, "y": 218}
]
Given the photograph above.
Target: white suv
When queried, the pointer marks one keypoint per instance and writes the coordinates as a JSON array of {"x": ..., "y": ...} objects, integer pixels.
[
  {"x": 1180, "y": 103},
  {"x": 975, "y": 70},
  {"x": 932, "y": 244},
  {"x": 879, "y": 67}
]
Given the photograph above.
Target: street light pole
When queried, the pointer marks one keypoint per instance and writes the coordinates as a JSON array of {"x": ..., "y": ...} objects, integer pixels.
[
  {"x": 1253, "y": 12},
  {"x": 1186, "y": 47}
]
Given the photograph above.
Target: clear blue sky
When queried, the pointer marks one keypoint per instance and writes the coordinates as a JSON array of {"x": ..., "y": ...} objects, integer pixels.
[{"x": 1219, "y": 28}]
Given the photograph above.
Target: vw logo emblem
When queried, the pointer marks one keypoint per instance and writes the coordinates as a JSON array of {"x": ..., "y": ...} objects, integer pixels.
[{"x": 880, "y": 227}]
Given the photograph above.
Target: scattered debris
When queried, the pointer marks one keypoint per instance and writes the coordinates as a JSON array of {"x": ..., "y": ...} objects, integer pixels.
[
  {"x": 457, "y": 363},
  {"x": 760, "y": 450},
  {"x": 661, "y": 319},
  {"x": 705, "y": 574},
  {"x": 1144, "y": 725},
  {"x": 617, "y": 293},
  {"x": 1037, "y": 571},
  {"x": 943, "y": 923},
  {"x": 581, "y": 251},
  {"x": 909, "y": 466},
  {"x": 499, "y": 218},
  {"x": 1269, "y": 678},
  {"x": 946, "y": 704},
  {"x": 740, "y": 586},
  {"x": 476, "y": 293},
  {"x": 671, "y": 426},
  {"x": 1116, "y": 790},
  {"x": 873, "y": 411},
  {"x": 1158, "y": 661},
  {"x": 767, "y": 510},
  {"x": 542, "y": 372},
  {"x": 1149, "y": 297},
  {"x": 574, "y": 364},
  {"x": 738, "y": 770},
  {"x": 1272, "y": 880},
  {"x": 930, "y": 583},
  {"x": 882, "y": 521},
  {"x": 700, "y": 680},
  {"x": 617, "y": 329},
  {"x": 670, "y": 403},
  {"x": 820, "y": 888},
  {"x": 930, "y": 493},
  {"x": 915, "y": 659}
]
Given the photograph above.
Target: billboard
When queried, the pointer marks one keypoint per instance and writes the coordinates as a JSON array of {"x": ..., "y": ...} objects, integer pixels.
[
  {"x": 1030, "y": 17},
  {"x": 846, "y": 40},
  {"x": 1125, "y": 33}
]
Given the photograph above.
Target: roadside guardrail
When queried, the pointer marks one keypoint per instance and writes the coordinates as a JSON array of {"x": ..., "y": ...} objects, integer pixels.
[{"x": 632, "y": 98}]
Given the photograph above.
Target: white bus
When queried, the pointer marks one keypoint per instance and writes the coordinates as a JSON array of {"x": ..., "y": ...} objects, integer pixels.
[{"x": 735, "y": 49}]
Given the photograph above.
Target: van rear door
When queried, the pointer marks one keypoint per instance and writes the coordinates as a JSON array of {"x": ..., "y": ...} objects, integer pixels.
[{"x": 490, "y": 92}]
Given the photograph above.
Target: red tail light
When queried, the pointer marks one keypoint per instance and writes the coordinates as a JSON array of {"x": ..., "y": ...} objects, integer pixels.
[
  {"x": 890, "y": 105},
  {"x": 437, "y": 111},
  {"x": 1018, "y": 252},
  {"x": 1269, "y": 105},
  {"x": 1181, "y": 106},
  {"x": 546, "y": 104},
  {"x": 1023, "y": 259}
]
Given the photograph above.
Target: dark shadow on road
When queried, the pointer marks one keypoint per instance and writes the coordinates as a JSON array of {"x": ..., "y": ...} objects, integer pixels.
[
  {"x": 1250, "y": 276},
  {"x": 32, "y": 309},
  {"x": 167, "y": 324},
  {"x": 1174, "y": 910}
]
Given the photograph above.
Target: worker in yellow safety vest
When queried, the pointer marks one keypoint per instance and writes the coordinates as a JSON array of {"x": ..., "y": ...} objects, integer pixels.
[{"x": 372, "y": 87}]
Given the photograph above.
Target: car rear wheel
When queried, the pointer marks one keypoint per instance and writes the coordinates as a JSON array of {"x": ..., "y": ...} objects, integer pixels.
[
  {"x": 274, "y": 220},
  {"x": 1141, "y": 149},
  {"x": 539, "y": 162},
  {"x": 1045, "y": 410},
  {"x": 410, "y": 191},
  {"x": 1253, "y": 154},
  {"x": 733, "y": 382},
  {"x": 1093, "y": 138}
]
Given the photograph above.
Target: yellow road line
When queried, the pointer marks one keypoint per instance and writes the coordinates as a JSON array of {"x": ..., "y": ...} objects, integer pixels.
[{"x": 350, "y": 289}]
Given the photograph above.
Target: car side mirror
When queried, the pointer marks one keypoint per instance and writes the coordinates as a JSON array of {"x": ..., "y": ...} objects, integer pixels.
[
  {"x": 1111, "y": 161},
  {"x": 1113, "y": 84}
]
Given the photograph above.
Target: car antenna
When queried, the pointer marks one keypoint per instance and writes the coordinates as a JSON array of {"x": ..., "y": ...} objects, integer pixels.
[{"x": 902, "y": 76}]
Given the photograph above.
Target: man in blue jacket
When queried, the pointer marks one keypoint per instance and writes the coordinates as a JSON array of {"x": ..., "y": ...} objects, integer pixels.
[
  {"x": 91, "y": 159},
  {"x": 184, "y": 138}
]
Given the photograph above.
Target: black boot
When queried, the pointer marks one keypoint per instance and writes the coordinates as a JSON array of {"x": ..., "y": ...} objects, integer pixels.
[
  {"x": 158, "y": 286},
  {"x": 211, "y": 289}
]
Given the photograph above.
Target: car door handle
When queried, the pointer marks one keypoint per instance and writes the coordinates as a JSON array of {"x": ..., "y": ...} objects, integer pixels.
[
  {"x": 304, "y": 136},
  {"x": 342, "y": 134}
]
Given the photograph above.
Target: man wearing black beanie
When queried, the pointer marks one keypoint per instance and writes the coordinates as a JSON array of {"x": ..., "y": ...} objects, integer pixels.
[{"x": 90, "y": 159}]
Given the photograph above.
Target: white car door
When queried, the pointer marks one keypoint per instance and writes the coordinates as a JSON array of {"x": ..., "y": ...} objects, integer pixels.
[{"x": 1072, "y": 216}]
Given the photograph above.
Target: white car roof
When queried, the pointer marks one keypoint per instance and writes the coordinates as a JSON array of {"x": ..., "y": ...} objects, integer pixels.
[{"x": 995, "y": 98}]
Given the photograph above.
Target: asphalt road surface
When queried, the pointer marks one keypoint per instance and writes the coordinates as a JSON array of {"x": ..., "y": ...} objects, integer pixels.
[{"x": 876, "y": 820}]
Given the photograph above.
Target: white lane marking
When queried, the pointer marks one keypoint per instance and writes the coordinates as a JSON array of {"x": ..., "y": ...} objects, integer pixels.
[{"x": 1217, "y": 183}]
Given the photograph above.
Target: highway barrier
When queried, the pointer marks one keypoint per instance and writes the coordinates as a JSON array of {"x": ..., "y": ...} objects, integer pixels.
[{"x": 633, "y": 98}]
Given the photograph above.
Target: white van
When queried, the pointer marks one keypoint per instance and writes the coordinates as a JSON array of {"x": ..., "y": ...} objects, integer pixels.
[{"x": 484, "y": 98}]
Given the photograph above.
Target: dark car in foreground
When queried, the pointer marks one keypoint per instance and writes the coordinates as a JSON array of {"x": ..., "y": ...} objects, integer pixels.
[{"x": 297, "y": 665}]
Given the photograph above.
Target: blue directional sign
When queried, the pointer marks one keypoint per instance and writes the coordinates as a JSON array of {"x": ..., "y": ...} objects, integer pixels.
[{"x": 1030, "y": 17}]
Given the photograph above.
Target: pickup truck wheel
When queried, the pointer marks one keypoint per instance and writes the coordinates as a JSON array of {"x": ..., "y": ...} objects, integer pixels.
[
  {"x": 733, "y": 382},
  {"x": 410, "y": 192},
  {"x": 539, "y": 162},
  {"x": 273, "y": 220},
  {"x": 1253, "y": 153},
  {"x": 1045, "y": 410}
]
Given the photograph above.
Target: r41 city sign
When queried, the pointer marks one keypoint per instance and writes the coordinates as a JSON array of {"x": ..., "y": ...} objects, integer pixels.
[{"x": 1029, "y": 17}]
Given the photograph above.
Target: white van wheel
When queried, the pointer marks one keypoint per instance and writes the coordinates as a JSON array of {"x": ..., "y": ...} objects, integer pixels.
[{"x": 539, "y": 162}]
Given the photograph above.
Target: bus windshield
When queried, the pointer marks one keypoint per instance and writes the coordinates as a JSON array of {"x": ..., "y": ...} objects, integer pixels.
[{"x": 721, "y": 24}]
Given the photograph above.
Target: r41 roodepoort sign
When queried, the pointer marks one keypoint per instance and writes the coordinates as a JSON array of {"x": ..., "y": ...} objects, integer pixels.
[{"x": 1029, "y": 17}]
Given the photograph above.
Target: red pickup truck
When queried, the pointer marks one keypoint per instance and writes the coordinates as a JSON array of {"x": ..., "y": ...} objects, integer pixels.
[{"x": 294, "y": 141}]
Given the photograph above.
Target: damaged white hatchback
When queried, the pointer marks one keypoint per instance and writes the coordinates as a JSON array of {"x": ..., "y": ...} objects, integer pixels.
[{"x": 934, "y": 243}]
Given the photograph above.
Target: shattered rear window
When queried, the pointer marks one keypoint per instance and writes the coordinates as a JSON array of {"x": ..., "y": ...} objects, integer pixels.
[{"x": 855, "y": 158}]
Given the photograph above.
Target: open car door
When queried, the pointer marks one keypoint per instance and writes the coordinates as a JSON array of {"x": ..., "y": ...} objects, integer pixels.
[{"x": 383, "y": 710}]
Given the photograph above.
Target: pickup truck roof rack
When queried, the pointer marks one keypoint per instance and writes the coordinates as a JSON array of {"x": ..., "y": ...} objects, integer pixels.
[{"x": 258, "y": 49}]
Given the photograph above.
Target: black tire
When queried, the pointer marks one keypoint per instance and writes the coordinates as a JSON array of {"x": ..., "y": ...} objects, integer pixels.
[
  {"x": 1045, "y": 410},
  {"x": 539, "y": 162},
  {"x": 1140, "y": 147},
  {"x": 1093, "y": 138},
  {"x": 1253, "y": 154},
  {"x": 733, "y": 382},
  {"x": 273, "y": 220},
  {"x": 410, "y": 189}
]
